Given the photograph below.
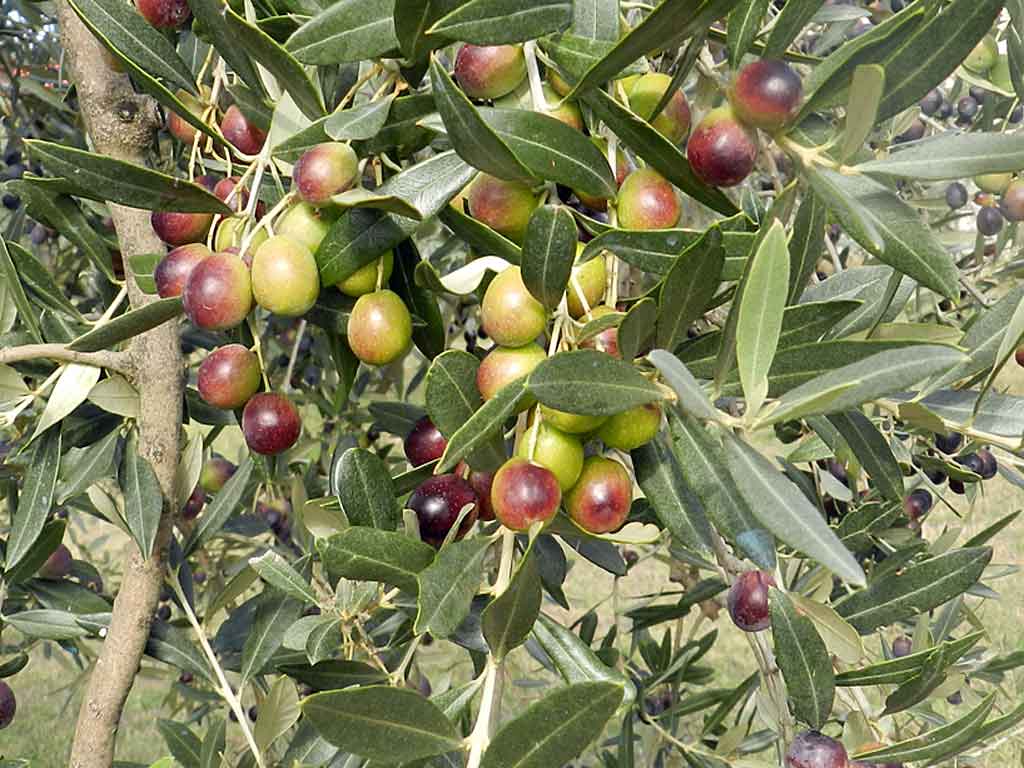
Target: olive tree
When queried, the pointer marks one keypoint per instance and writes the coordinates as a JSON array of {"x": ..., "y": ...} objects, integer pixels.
[{"x": 367, "y": 323}]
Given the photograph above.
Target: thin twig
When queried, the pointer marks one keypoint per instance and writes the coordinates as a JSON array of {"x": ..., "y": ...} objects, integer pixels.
[{"x": 114, "y": 361}]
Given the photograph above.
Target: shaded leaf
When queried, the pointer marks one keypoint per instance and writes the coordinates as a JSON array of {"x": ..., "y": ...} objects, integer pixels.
[
  {"x": 549, "y": 248},
  {"x": 447, "y": 586},
  {"x": 805, "y": 662}
]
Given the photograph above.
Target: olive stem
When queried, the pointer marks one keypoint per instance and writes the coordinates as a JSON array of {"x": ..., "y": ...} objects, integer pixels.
[
  {"x": 481, "y": 734},
  {"x": 226, "y": 691},
  {"x": 114, "y": 361},
  {"x": 286, "y": 387}
]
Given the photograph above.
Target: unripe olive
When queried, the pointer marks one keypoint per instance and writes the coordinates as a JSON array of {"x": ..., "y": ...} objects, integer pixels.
[
  {"x": 621, "y": 171},
  {"x": 176, "y": 228},
  {"x": 57, "y": 565},
  {"x": 8, "y": 705},
  {"x": 766, "y": 94},
  {"x": 509, "y": 313},
  {"x": 606, "y": 341},
  {"x": 270, "y": 423},
  {"x": 325, "y": 170},
  {"x": 591, "y": 279},
  {"x": 218, "y": 293},
  {"x": 285, "y": 278},
  {"x": 631, "y": 429},
  {"x": 164, "y": 14},
  {"x": 489, "y": 71},
  {"x": 504, "y": 206},
  {"x": 379, "y": 328},
  {"x": 647, "y": 200},
  {"x": 523, "y": 494},
  {"x": 230, "y": 233},
  {"x": 599, "y": 501},
  {"x": 229, "y": 376},
  {"x": 215, "y": 473},
  {"x": 306, "y": 225},
  {"x": 567, "y": 112},
  {"x": 503, "y": 365},
  {"x": 177, "y": 126},
  {"x": 364, "y": 279},
  {"x": 722, "y": 151},
  {"x": 171, "y": 273},
  {"x": 673, "y": 122},
  {"x": 550, "y": 447},
  {"x": 572, "y": 423},
  {"x": 241, "y": 133},
  {"x": 995, "y": 183}
]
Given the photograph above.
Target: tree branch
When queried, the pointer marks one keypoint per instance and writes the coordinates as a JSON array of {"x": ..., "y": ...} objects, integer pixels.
[
  {"x": 121, "y": 362},
  {"x": 121, "y": 124}
]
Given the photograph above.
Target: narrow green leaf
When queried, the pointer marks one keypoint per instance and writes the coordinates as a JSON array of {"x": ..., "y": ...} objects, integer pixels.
[
  {"x": 278, "y": 573},
  {"x": 872, "y": 451},
  {"x": 17, "y": 292},
  {"x": 452, "y": 398},
  {"x": 637, "y": 328},
  {"x": 359, "y": 123},
  {"x": 575, "y": 660},
  {"x": 36, "y": 498},
  {"x": 804, "y": 660},
  {"x": 479, "y": 236},
  {"x": 365, "y": 491},
  {"x": 183, "y": 744},
  {"x": 595, "y": 19},
  {"x": 951, "y": 156},
  {"x": 790, "y": 22},
  {"x": 128, "y": 325},
  {"x": 350, "y": 30},
  {"x": 744, "y": 23},
  {"x": 918, "y": 589},
  {"x": 938, "y": 743},
  {"x": 361, "y": 235},
  {"x": 591, "y": 383},
  {"x": 759, "y": 324},
  {"x": 275, "y": 613},
  {"x": 556, "y": 729},
  {"x": 657, "y": 251},
  {"x": 103, "y": 178},
  {"x": 897, "y": 671},
  {"x": 887, "y": 228},
  {"x": 806, "y": 243},
  {"x": 549, "y": 248},
  {"x": 509, "y": 618},
  {"x": 784, "y": 510},
  {"x": 288, "y": 72},
  {"x": 666, "y": 24},
  {"x": 689, "y": 287},
  {"x": 429, "y": 338},
  {"x": 691, "y": 398},
  {"x": 143, "y": 499},
  {"x": 368, "y": 554},
  {"x": 447, "y": 586},
  {"x": 920, "y": 64},
  {"x": 382, "y": 723},
  {"x": 217, "y": 512},
  {"x": 861, "y": 108},
  {"x": 549, "y": 149},
  {"x": 213, "y": 744},
  {"x": 470, "y": 135},
  {"x": 918, "y": 688},
  {"x": 660, "y": 153},
  {"x": 63, "y": 214},
  {"x": 703, "y": 464},
  {"x": 483, "y": 426},
  {"x": 37, "y": 278},
  {"x": 209, "y": 15},
  {"x": 496, "y": 22},
  {"x": 876, "y": 376},
  {"x": 661, "y": 479},
  {"x": 123, "y": 29}
]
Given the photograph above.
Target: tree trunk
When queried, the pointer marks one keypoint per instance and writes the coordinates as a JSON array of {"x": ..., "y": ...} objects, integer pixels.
[{"x": 121, "y": 124}]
